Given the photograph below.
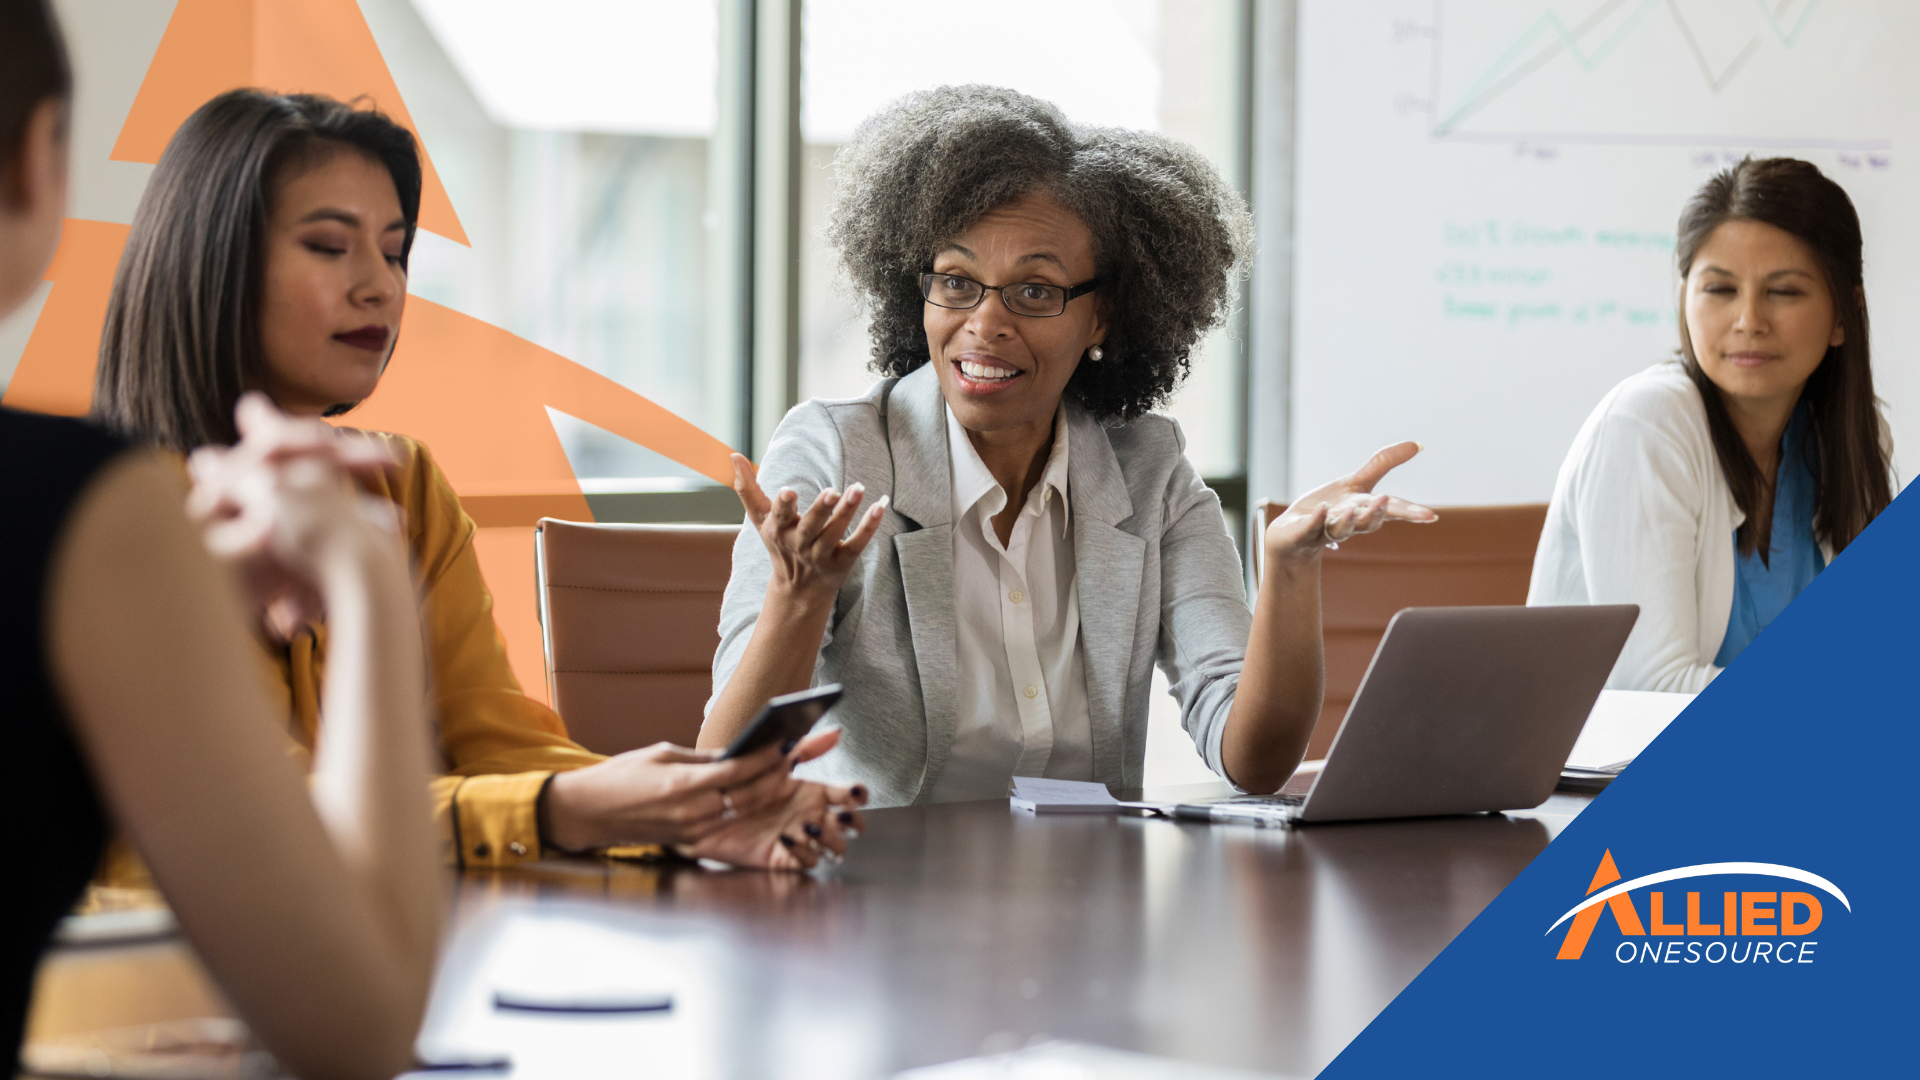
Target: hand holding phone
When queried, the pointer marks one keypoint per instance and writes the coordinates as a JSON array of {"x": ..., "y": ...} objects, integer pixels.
[{"x": 786, "y": 718}]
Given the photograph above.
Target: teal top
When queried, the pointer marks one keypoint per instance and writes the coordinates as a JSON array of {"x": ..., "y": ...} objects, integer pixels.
[{"x": 1762, "y": 590}]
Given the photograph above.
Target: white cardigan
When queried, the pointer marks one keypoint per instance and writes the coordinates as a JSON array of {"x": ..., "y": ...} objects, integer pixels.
[{"x": 1641, "y": 514}]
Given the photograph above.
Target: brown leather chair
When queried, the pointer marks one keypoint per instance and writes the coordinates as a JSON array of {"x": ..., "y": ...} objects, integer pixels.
[
  {"x": 630, "y": 617},
  {"x": 1473, "y": 556}
]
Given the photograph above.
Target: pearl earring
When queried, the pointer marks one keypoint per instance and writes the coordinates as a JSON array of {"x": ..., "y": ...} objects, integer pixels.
[{"x": 1096, "y": 354}]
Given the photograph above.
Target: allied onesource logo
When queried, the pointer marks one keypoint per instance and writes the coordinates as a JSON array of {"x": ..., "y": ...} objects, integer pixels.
[{"x": 1703, "y": 926}]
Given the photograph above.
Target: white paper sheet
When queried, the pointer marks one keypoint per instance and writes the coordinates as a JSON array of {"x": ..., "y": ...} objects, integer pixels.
[
  {"x": 1044, "y": 796},
  {"x": 1622, "y": 724}
]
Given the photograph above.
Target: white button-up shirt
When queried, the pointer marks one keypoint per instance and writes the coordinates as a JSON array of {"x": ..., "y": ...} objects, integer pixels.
[{"x": 1022, "y": 687}]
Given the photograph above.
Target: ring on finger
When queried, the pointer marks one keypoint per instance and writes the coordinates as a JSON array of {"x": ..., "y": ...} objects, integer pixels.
[
  {"x": 727, "y": 812},
  {"x": 1326, "y": 534}
]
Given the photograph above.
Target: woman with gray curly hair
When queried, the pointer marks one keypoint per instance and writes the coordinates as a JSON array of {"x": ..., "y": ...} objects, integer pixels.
[{"x": 1048, "y": 541}]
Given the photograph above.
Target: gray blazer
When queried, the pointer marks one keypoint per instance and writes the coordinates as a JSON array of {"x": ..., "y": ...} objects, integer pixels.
[{"x": 1159, "y": 581}]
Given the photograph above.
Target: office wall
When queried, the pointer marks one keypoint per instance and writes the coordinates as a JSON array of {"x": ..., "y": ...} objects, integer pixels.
[{"x": 1486, "y": 202}]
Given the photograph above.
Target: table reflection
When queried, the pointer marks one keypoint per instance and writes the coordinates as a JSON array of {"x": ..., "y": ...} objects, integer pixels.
[{"x": 954, "y": 930}]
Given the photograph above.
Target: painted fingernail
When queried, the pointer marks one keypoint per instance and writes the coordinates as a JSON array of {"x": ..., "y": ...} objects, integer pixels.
[
  {"x": 857, "y": 489},
  {"x": 786, "y": 841},
  {"x": 846, "y": 817},
  {"x": 851, "y": 834},
  {"x": 787, "y": 747},
  {"x": 811, "y": 829},
  {"x": 860, "y": 792}
]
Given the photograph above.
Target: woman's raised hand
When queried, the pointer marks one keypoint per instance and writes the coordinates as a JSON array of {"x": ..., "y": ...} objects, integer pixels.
[
  {"x": 812, "y": 551},
  {"x": 1345, "y": 508},
  {"x": 811, "y": 554}
]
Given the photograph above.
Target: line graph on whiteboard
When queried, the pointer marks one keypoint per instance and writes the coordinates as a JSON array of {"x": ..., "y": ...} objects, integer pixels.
[{"x": 1705, "y": 73}]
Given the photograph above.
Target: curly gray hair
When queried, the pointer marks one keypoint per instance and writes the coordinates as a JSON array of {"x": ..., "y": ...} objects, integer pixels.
[{"x": 1169, "y": 235}]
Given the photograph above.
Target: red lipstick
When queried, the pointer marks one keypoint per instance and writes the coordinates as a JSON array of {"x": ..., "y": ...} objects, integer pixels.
[{"x": 372, "y": 338}]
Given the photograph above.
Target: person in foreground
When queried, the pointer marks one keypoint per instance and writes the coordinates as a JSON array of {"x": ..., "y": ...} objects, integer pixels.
[
  {"x": 1711, "y": 489},
  {"x": 269, "y": 253},
  {"x": 1036, "y": 288},
  {"x": 315, "y": 901}
]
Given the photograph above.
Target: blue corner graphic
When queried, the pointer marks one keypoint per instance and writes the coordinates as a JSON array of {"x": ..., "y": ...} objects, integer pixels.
[{"x": 1742, "y": 901}]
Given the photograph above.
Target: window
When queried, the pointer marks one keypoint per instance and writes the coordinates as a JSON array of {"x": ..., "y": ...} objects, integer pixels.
[
  {"x": 588, "y": 183},
  {"x": 629, "y": 215}
]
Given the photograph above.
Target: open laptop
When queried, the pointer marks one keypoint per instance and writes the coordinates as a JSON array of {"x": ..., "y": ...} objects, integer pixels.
[{"x": 1462, "y": 710}]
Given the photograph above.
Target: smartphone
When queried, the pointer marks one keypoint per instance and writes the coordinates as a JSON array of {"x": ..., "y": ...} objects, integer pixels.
[{"x": 785, "y": 719}]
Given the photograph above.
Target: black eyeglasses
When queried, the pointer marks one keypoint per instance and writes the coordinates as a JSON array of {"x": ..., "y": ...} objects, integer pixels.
[{"x": 1029, "y": 298}]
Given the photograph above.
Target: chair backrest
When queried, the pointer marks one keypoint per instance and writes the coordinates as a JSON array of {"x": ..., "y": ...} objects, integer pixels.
[
  {"x": 630, "y": 617},
  {"x": 1473, "y": 556}
]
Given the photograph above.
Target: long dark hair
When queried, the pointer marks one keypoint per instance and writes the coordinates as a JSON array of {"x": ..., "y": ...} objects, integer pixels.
[
  {"x": 33, "y": 69},
  {"x": 182, "y": 338},
  {"x": 1853, "y": 487}
]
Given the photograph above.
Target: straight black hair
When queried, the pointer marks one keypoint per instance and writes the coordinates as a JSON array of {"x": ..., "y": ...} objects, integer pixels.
[
  {"x": 182, "y": 337},
  {"x": 33, "y": 69},
  {"x": 1852, "y": 472}
]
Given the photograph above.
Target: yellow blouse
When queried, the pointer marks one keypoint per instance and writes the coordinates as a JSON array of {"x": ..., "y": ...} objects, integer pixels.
[{"x": 497, "y": 746}]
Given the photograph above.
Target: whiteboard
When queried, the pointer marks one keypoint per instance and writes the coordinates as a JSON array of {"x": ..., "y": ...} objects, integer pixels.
[{"x": 1487, "y": 192}]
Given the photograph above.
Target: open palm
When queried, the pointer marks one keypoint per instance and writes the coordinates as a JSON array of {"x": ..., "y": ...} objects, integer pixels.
[
  {"x": 811, "y": 551},
  {"x": 1345, "y": 508}
]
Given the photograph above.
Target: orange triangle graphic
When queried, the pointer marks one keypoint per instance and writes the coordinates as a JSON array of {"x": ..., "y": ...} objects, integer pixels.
[
  {"x": 1605, "y": 874},
  {"x": 55, "y": 374},
  {"x": 292, "y": 46},
  {"x": 478, "y": 395},
  {"x": 1581, "y": 929}
]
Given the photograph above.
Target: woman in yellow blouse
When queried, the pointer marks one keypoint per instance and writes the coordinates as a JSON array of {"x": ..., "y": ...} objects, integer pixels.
[{"x": 269, "y": 253}]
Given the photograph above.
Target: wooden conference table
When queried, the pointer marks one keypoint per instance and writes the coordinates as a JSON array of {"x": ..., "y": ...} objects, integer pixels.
[{"x": 948, "y": 932}]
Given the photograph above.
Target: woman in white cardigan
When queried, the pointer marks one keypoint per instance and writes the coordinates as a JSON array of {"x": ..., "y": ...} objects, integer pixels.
[{"x": 1712, "y": 488}]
